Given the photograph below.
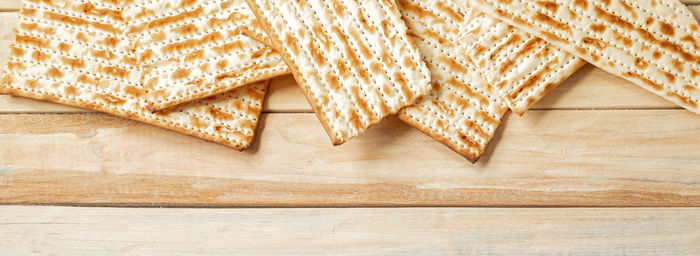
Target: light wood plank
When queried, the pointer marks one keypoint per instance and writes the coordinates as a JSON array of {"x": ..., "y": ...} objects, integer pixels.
[
  {"x": 284, "y": 96},
  {"x": 549, "y": 158},
  {"x": 374, "y": 231}
]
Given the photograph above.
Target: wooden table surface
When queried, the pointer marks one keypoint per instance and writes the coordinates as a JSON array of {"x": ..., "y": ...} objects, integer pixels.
[{"x": 551, "y": 181}]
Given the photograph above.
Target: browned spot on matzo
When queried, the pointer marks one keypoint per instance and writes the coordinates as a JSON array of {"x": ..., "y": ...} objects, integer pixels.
[
  {"x": 551, "y": 6},
  {"x": 551, "y": 22}
]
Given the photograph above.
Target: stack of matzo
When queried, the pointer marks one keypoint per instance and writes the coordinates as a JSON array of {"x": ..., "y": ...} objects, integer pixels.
[
  {"x": 522, "y": 67},
  {"x": 450, "y": 68},
  {"x": 465, "y": 108},
  {"x": 78, "y": 53},
  {"x": 652, "y": 43}
]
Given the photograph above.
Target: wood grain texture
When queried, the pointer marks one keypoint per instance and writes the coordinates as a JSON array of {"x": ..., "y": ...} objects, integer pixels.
[
  {"x": 579, "y": 158},
  {"x": 403, "y": 231},
  {"x": 581, "y": 91}
]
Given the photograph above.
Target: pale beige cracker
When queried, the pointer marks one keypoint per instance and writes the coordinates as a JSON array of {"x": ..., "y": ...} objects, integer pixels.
[
  {"x": 78, "y": 55},
  {"x": 190, "y": 49},
  {"x": 652, "y": 43},
  {"x": 462, "y": 111},
  {"x": 522, "y": 68},
  {"x": 352, "y": 59}
]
